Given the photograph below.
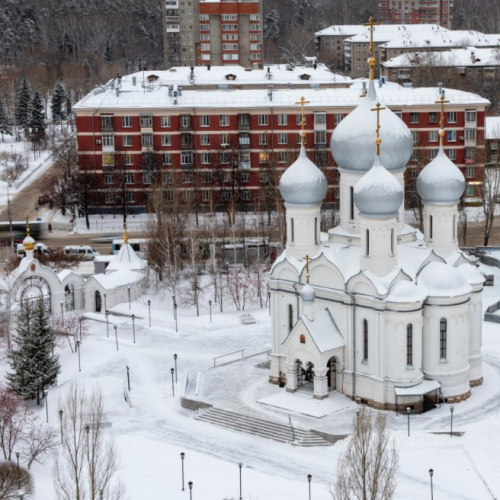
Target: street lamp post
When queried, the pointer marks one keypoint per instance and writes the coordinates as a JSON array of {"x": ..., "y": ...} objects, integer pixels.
[
  {"x": 128, "y": 289},
  {"x": 128, "y": 377},
  {"x": 408, "y": 410},
  {"x": 61, "y": 420},
  {"x": 149, "y": 305},
  {"x": 172, "y": 372},
  {"x": 78, "y": 348},
  {"x": 80, "y": 319},
  {"x": 210, "y": 305},
  {"x": 431, "y": 473},
  {"x": 105, "y": 302},
  {"x": 175, "y": 361},
  {"x": 46, "y": 394},
  {"x": 107, "y": 323},
  {"x": 133, "y": 325},
  {"x": 62, "y": 311},
  {"x": 190, "y": 484},
  {"x": 240, "y": 465},
  {"x": 269, "y": 300},
  {"x": 116, "y": 336},
  {"x": 87, "y": 430},
  {"x": 451, "y": 423},
  {"x": 10, "y": 220},
  {"x": 358, "y": 411},
  {"x": 309, "y": 477},
  {"x": 182, "y": 464},
  {"x": 175, "y": 314},
  {"x": 18, "y": 471}
]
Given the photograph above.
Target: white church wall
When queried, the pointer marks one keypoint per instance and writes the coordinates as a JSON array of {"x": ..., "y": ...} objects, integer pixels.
[
  {"x": 442, "y": 237},
  {"x": 475, "y": 338},
  {"x": 325, "y": 274},
  {"x": 303, "y": 234}
]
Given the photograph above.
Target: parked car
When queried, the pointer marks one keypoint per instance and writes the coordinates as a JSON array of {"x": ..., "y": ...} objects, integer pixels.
[{"x": 86, "y": 251}]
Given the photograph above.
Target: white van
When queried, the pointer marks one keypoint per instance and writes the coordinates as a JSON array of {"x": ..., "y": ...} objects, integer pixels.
[
  {"x": 86, "y": 251},
  {"x": 39, "y": 248}
]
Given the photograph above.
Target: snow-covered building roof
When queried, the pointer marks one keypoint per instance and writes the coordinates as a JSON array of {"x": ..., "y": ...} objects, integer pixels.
[
  {"x": 115, "y": 280},
  {"x": 492, "y": 127},
  {"x": 468, "y": 56},
  {"x": 388, "y": 32},
  {"x": 379, "y": 31},
  {"x": 126, "y": 260}
]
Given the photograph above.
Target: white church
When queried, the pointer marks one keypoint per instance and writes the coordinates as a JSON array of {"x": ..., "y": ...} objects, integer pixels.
[{"x": 373, "y": 308}]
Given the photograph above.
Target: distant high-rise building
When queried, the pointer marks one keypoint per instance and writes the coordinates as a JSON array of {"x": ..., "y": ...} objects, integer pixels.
[
  {"x": 416, "y": 12},
  {"x": 214, "y": 32}
]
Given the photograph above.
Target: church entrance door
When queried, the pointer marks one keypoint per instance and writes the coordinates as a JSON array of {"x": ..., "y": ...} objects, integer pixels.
[{"x": 332, "y": 374}]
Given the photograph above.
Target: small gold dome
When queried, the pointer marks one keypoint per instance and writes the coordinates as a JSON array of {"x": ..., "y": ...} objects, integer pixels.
[{"x": 29, "y": 243}]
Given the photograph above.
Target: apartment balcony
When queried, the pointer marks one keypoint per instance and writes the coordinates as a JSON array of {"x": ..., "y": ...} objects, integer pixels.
[
  {"x": 108, "y": 168},
  {"x": 187, "y": 165},
  {"x": 320, "y": 126},
  {"x": 470, "y": 125},
  {"x": 108, "y": 149},
  {"x": 185, "y": 128},
  {"x": 470, "y": 143},
  {"x": 186, "y": 147},
  {"x": 243, "y": 127},
  {"x": 245, "y": 145},
  {"x": 107, "y": 128},
  {"x": 320, "y": 146}
]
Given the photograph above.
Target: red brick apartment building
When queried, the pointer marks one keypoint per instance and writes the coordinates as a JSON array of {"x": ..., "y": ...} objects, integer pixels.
[
  {"x": 416, "y": 12},
  {"x": 210, "y": 146}
]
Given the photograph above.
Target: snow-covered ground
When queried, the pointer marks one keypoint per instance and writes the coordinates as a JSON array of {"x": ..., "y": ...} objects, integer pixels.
[{"x": 152, "y": 433}]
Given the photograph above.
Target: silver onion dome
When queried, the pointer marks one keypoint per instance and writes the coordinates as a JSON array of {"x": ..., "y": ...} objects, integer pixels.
[
  {"x": 307, "y": 293},
  {"x": 441, "y": 182},
  {"x": 303, "y": 183},
  {"x": 352, "y": 139},
  {"x": 378, "y": 194}
]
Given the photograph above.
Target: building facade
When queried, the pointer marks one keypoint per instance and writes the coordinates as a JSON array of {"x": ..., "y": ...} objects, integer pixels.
[
  {"x": 213, "y": 147},
  {"x": 224, "y": 32},
  {"x": 416, "y": 12}
]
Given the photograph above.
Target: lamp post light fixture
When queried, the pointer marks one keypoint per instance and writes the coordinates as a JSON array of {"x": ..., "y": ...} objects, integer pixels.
[
  {"x": 182, "y": 464},
  {"x": 101, "y": 493},
  {"x": 408, "y": 410},
  {"x": 358, "y": 412},
  {"x": 175, "y": 361},
  {"x": 128, "y": 377},
  {"x": 190, "y": 484},
  {"x": 61, "y": 421},
  {"x": 451, "y": 423},
  {"x": 172, "y": 372},
  {"x": 78, "y": 349},
  {"x": 133, "y": 326},
  {"x": 46, "y": 395},
  {"x": 309, "y": 478},
  {"x": 128, "y": 289},
  {"x": 87, "y": 430},
  {"x": 18, "y": 471},
  {"x": 240, "y": 465},
  {"x": 116, "y": 336},
  {"x": 431, "y": 473},
  {"x": 210, "y": 305},
  {"x": 149, "y": 305},
  {"x": 107, "y": 323}
]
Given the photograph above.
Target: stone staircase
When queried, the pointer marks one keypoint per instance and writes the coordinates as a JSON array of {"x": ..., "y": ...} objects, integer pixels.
[
  {"x": 262, "y": 428},
  {"x": 265, "y": 365}
]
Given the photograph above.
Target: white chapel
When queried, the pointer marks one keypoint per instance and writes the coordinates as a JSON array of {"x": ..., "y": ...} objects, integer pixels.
[{"x": 373, "y": 308}]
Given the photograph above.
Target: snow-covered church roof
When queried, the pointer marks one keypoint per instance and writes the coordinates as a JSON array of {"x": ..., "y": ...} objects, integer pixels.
[{"x": 126, "y": 260}]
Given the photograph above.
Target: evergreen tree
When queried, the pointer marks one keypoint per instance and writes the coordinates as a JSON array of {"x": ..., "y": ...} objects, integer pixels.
[
  {"x": 38, "y": 120},
  {"x": 107, "y": 53},
  {"x": 22, "y": 108},
  {"x": 4, "y": 120},
  {"x": 33, "y": 364},
  {"x": 271, "y": 26},
  {"x": 58, "y": 103}
]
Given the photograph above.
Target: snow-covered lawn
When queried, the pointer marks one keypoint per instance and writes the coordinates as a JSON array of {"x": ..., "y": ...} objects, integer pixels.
[{"x": 154, "y": 430}]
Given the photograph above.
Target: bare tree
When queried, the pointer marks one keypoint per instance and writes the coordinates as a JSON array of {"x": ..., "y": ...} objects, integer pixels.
[
  {"x": 40, "y": 442},
  {"x": 88, "y": 460},
  {"x": 490, "y": 191},
  {"x": 11, "y": 478},
  {"x": 366, "y": 470}
]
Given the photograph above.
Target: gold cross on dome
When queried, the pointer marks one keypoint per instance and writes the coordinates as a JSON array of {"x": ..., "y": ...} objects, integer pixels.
[
  {"x": 28, "y": 224},
  {"x": 307, "y": 259},
  {"x": 372, "y": 25},
  {"x": 301, "y": 103},
  {"x": 378, "y": 141},
  {"x": 442, "y": 102}
]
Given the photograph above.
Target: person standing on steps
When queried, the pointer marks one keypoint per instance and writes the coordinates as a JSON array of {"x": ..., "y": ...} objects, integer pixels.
[{"x": 50, "y": 227}]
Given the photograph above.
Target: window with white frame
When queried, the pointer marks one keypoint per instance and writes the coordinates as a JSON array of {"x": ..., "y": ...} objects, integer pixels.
[
  {"x": 245, "y": 195},
  {"x": 414, "y": 117},
  {"x": 110, "y": 197},
  {"x": 415, "y": 135},
  {"x": 254, "y": 17},
  {"x": 452, "y": 116},
  {"x": 254, "y": 56},
  {"x": 263, "y": 120},
  {"x": 244, "y": 157},
  {"x": 230, "y": 57},
  {"x": 224, "y": 120},
  {"x": 166, "y": 140},
  {"x": 229, "y": 17},
  {"x": 282, "y": 138},
  {"x": 433, "y": 117},
  {"x": 413, "y": 173},
  {"x": 226, "y": 177},
  {"x": 470, "y": 134},
  {"x": 187, "y": 177},
  {"x": 230, "y": 37},
  {"x": 186, "y": 158},
  {"x": 262, "y": 139},
  {"x": 433, "y": 135},
  {"x": 128, "y": 178},
  {"x": 320, "y": 118},
  {"x": 470, "y": 153},
  {"x": 263, "y": 177},
  {"x": 229, "y": 46},
  {"x": 130, "y": 197},
  {"x": 108, "y": 140},
  {"x": 165, "y": 122},
  {"x": 451, "y": 135},
  {"x": 255, "y": 27},
  {"x": 204, "y": 121},
  {"x": 205, "y": 158},
  {"x": 146, "y": 120},
  {"x": 245, "y": 176},
  {"x": 337, "y": 118},
  {"x": 167, "y": 159},
  {"x": 108, "y": 179},
  {"x": 230, "y": 27},
  {"x": 299, "y": 119},
  {"x": 147, "y": 140},
  {"x": 255, "y": 46},
  {"x": 128, "y": 159},
  {"x": 187, "y": 194},
  {"x": 469, "y": 189},
  {"x": 147, "y": 178},
  {"x": 320, "y": 137},
  {"x": 432, "y": 153},
  {"x": 469, "y": 172},
  {"x": 470, "y": 116},
  {"x": 206, "y": 177},
  {"x": 204, "y": 37},
  {"x": 204, "y": 17},
  {"x": 244, "y": 139},
  {"x": 127, "y": 141},
  {"x": 168, "y": 178},
  {"x": 494, "y": 146},
  {"x": 452, "y": 154},
  {"x": 205, "y": 46},
  {"x": 224, "y": 139},
  {"x": 224, "y": 158},
  {"x": 126, "y": 121},
  {"x": 282, "y": 157},
  {"x": 185, "y": 120},
  {"x": 206, "y": 195},
  {"x": 415, "y": 155},
  {"x": 204, "y": 27},
  {"x": 169, "y": 195},
  {"x": 254, "y": 37}
]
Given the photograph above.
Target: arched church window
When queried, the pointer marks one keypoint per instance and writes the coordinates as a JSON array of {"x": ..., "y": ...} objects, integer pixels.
[
  {"x": 352, "y": 203},
  {"x": 292, "y": 230},
  {"x": 315, "y": 230},
  {"x": 367, "y": 242},
  {"x": 454, "y": 229},
  {"x": 392, "y": 241},
  {"x": 302, "y": 339},
  {"x": 430, "y": 227},
  {"x": 409, "y": 345},
  {"x": 98, "y": 301},
  {"x": 365, "y": 340},
  {"x": 443, "y": 331},
  {"x": 290, "y": 317}
]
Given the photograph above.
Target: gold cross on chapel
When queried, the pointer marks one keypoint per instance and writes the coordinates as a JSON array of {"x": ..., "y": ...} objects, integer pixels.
[
  {"x": 442, "y": 102},
  {"x": 371, "y": 61},
  {"x": 125, "y": 235},
  {"x": 378, "y": 141},
  {"x": 301, "y": 103},
  {"x": 28, "y": 224},
  {"x": 307, "y": 259}
]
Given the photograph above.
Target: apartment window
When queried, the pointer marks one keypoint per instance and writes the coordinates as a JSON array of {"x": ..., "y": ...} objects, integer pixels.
[
  {"x": 254, "y": 17},
  {"x": 433, "y": 118},
  {"x": 166, "y": 140},
  {"x": 185, "y": 120},
  {"x": 186, "y": 140},
  {"x": 168, "y": 178},
  {"x": 230, "y": 37},
  {"x": 204, "y": 17},
  {"x": 108, "y": 179},
  {"x": 263, "y": 120},
  {"x": 413, "y": 173},
  {"x": 365, "y": 340},
  {"x": 129, "y": 178},
  {"x": 433, "y": 135},
  {"x": 409, "y": 346},
  {"x": 470, "y": 116},
  {"x": 108, "y": 140},
  {"x": 186, "y": 158},
  {"x": 229, "y": 17},
  {"x": 165, "y": 122},
  {"x": 107, "y": 121},
  {"x": 263, "y": 177},
  {"x": 204, "y": 121},
  {"x": 147, "y": 178},
  {"x": 493, "y": 158},
  {"x": 226, "y": 177},
  {"x": 224, "y": 139},
  {"x": 469, "y": 189},
  {"x": 205, "y": 139},
  {"x": 451, "y": 136},
  {"x": 230, "y": 57},
  {"x": 204, "y": 38},
  {"x": 319, "y": 118},
  {"x": 414, "y": 117},
  {"x": 244, "y": 159},
  {"x": 187, "y": 177},
  {"x": 245, "y": 176},
  {"x": 433, "y": 153},
  {"x": 230, "y": 27},
  {"x": 206, "y": 177},
  {"x": 415, "y": 135},
  {"x": 337, "y": 118},
  {"x": 320, "y": 137},
  {"x": 262, "y": 139},
  {"x": 204, "y": 27},
  {"x": 255, "y": 27},
  {"x": 127, "y": 141},
  {"x": 167, "y": 159},
  {"x": 254, "y": 37},
  {"x": 110, "y": 197},
  {"x": 282, "y": 157},
  {"x": 470, "y": 154},
  {"x": 470, "y": 134},
  {"x": 299, "y": 139},
  {"x": 224, "y": 158},
  {"x": 245, "y": 195},
  {"x": 244, "y": 139},
  {"x": 187, "y": 195},
  {"x": 452, "y": 154},
  {"x": 415, "y": 155},
  {"x": 130, "y": 197},
  {"x": 469, "y": 172},
  {"x": 494, "y": 146},
  {"x": 452, "y": 117},
  {"x": 229, "y": 46},
  {"x": 299, "y": 119},
  {"x": 224, "y": 120},
  {"x": 282, "y": 120},
  {"x": 282, "y": 138},
  {"x": 205, "y": 158},
  {"x": 254, "y": 56},
  {"x": 442, "y": 339},
  {"x": 128, "y": 159},
  {"x": 126, "y": 121},
  {"x": 263, "y": 157},
  {"x": 146, "y": 120},
  {"x": 147, "y": 140}
]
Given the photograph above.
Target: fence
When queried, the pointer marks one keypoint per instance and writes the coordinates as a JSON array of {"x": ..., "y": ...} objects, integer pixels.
[{"x": 490, "y": 315}]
